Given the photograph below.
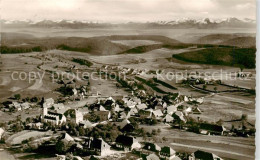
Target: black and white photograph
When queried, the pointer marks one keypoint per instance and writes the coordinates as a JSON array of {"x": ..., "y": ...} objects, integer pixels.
[{"x": 128, "y": 79}]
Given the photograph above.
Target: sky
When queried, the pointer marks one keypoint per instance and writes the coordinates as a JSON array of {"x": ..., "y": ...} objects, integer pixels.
[{"x": 126, "y": 10}]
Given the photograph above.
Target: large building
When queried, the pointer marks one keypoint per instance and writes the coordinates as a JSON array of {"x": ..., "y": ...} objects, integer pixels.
[{"x": 53, "y": 117}]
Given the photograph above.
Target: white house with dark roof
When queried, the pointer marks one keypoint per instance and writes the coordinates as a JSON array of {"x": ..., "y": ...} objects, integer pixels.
[
  {"x": 127, "y": 143},
  {"x": 97, "y": 145},
  {"x": 167, "y": 153}
]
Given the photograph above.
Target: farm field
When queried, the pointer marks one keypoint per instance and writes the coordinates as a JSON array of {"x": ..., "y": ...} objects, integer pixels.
[{"x": 235, "y": 148}]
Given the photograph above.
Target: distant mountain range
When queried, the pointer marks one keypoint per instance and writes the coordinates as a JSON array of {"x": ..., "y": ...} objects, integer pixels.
[{"x": 179, "y": 23}]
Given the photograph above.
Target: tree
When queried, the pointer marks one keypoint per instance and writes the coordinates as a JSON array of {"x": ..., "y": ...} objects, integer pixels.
[
  {"x": 242, "y": 67},
  {"x": 82, "y": 131},
  {"x": 215, "y": 89},
  {"x": 244, "y": 117},
  {"x": 17, "y": 96},
  {"x": 204, "y": 86},
  {"x": 113, "y": 135},
  {"x": 220, "y": 122},
  {"x": 62, "y": 146},
  {"x": 164, "y": 139},
  {"x": 17, "y": 127},
  {"x": 154, "y": 132}
]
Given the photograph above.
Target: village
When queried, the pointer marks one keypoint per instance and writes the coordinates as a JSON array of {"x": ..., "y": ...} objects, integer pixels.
[{"x": 116, "y": 126}]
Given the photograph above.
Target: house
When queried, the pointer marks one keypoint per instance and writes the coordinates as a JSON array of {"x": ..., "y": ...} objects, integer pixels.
[
  {"x": 78, "y": 116},
  {"x": 77, "y": 158},
  {"x": 122, "y": 116},
  {"x": 145, "y": 113},
  {"x": 127, "y": 143},
  {"x": 58, "y": 106},
  {"x": 128, "y": 128},
  {"x": 196, "y": 110},
  {"x": 164, "y": 104},
  {"x": 157, "y": 114},
  {"x": 171, "y": 109},
  {"x": 86, "y": 124},
  {"x": 187, "y": 110},
  {"x": 67, "y": 137},
  {"x": 160, "y": 107},
  {"x": 53, "y": 117},
  {"x": 25, "y": 105},
  {"x": 178, "y": 115},
  {"x": 124, "y": 123},
  {"x": 83, "y": 110},
  {"x": 168, "y": 119},
  {"x": 16, "y": 105},
  {"x": 167, "y": 153},
  {"x": 101, "y": 108},
  {"x": 150, "y": 148},
  {"x": 103, "y": 115},
  {"x": 129, "y": 102},
  {"x": 136, "y": 100},
  {"x": 38, "y": 125},
  {"x": 48, "y": 103},
  {"x": 60, "y": 157},
  {"x": 132, "y": 112},
  {"x": 118, "y": 109},
  {"x": 209, "y": 129},
  {"x": 2, "y": 131},
  {"x": 97, "y": 145},
  {"x": 141, "y": 106},
  {"x": 152, "y": 157},
  {"x": 200, "y": 100},
  {"x": 202, "y": 155}
]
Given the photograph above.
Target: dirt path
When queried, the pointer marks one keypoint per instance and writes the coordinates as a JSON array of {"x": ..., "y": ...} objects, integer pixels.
[
  {"x": 5, "y": 155},
  {"x": 213, "y": 150},
  {"x": 4, "y": 81},
  {"x": 37, "y": 85}
]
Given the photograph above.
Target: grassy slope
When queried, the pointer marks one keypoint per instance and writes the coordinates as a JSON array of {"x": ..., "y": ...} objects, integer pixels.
[
  {"x": 221, "y": 56},
  {"x": 95, "y": 45},
  {"x": 238, "y": 40}
]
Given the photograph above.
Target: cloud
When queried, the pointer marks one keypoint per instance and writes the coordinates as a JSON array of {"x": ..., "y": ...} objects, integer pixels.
[
  {"x": 245, "y": 6},
  {"x": 126, "y": 10}
]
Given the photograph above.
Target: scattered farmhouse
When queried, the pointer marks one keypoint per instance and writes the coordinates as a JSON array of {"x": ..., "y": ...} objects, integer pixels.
[
  {"x": 97, "y": 145},
  {"x": 167, "y": 153},
  {"x": 211, "y": 129},
  {"x": 127, "y": 143},
  {"x": 202, "y": 155}
]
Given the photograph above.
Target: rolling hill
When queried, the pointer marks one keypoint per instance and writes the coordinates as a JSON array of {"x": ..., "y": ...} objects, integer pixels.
[
  {"x": 244, "y": 57},
  {"x": 96, "y": 45},
  {"x": 238, "y": 40}
]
